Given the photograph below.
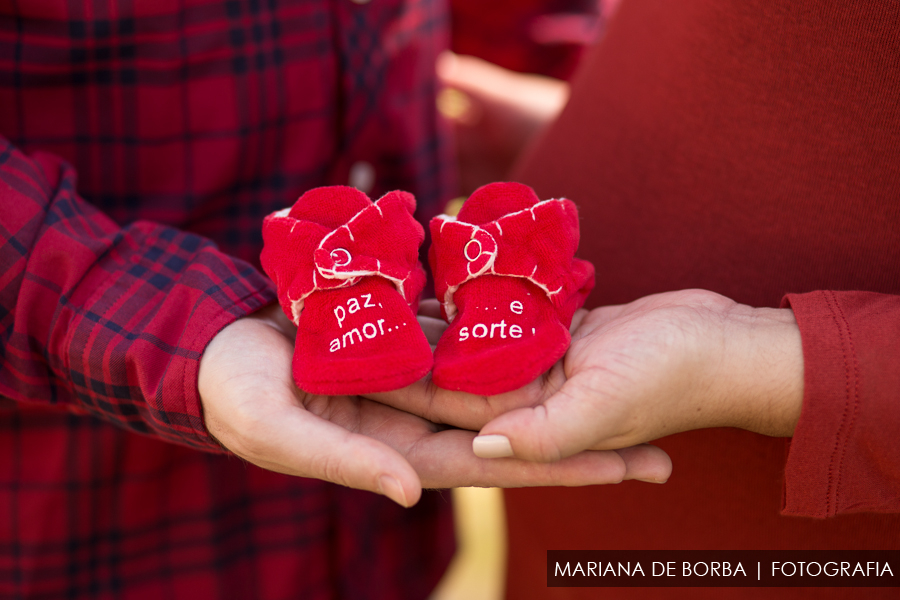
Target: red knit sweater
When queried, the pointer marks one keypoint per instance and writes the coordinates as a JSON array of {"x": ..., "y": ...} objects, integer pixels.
[{"x": 753, "y": 150}]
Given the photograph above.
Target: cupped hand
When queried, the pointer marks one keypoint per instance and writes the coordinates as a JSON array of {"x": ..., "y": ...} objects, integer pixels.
[
  {"x": 252, "y": 407},
  {"x": 660, "y": 365}
]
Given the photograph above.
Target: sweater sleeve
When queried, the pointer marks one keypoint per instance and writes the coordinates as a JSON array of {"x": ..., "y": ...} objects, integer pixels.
[
  {"x": 845, "y": 453},
  {"x": 107, "y": 320}
]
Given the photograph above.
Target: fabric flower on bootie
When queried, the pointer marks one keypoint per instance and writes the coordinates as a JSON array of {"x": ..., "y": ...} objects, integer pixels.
[
  {"x": 348, "y": 276},
  {"x": 509, "y": 284}
]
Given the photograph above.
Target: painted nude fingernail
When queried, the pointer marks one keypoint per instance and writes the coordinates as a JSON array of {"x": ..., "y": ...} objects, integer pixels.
[
  {"x": 492, "y": 446},
  {"x": 391, "y": 488}
]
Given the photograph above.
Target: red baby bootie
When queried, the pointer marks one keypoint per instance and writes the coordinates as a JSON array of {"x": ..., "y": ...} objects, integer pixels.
[
  {"x": 509, "y": 284},
  {"x": 348, "y": 275}
]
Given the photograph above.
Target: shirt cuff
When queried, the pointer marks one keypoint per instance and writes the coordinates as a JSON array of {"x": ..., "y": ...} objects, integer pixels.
[
  {"x": 194, "y": 428},
  {"x": 843, "y": 455}
]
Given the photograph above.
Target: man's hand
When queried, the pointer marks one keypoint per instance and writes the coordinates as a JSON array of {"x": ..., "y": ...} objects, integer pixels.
[
  {"x": 252, "y": 407},
  {"x": 637, "y": 372}
]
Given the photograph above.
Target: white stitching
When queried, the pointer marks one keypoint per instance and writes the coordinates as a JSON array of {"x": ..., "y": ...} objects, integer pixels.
[
  {"x": 448, "y": 304},
  {"x": 341, "y": 264},
  {"x": 466, "y": 250}
]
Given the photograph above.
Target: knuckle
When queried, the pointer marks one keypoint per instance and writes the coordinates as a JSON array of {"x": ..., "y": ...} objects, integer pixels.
[
  {"x": 333, "y": 469},
  {"x": 546, "y": 448},
  {"x": 621, "y": 469},
  {"x": 548, "y": 451}
]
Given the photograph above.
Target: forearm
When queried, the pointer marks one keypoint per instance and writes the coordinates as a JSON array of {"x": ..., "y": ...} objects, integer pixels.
[{"x": 106, "y": 319}]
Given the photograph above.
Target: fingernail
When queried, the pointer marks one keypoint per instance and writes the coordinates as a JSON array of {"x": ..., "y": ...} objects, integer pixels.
[
  {"x": 391, "y": 488},
  {"x": 651, "y": 481},
  {"x": 492, "y": 446}
]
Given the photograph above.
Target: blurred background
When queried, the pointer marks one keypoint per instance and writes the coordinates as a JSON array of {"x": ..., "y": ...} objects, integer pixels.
[{"x": 478, "y": 572}]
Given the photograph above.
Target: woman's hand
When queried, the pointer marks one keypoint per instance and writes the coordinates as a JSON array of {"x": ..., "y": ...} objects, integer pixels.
[{"x": 660, "y": 365}]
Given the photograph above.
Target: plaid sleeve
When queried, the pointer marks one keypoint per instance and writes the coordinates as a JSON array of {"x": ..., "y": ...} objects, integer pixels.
[{"x": 107, "y": 320}]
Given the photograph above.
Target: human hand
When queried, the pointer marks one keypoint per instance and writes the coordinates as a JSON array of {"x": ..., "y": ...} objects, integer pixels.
[
  {"x": 252, "y": 407},
  {"x": 660, "y": 365},
  {"x": 495, "y": 113}
]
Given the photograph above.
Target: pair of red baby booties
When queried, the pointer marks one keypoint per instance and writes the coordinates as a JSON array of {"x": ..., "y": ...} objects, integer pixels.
[{"x": 348, "y": 275}]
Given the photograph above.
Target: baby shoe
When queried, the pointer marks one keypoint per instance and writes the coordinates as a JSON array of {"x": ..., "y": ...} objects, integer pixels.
[
  {"x": 348, "y": 276},
  {"x": 508, "y": 284}
]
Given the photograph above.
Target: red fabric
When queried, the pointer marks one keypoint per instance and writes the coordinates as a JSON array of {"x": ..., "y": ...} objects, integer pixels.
[
  {"x": 752, "y": 150},
  {"x": 200, "y": 117},
  {"x": 507, "y": 260},
  {"x": 348, "y": 276},
  {"x": 844, "y": 455}
]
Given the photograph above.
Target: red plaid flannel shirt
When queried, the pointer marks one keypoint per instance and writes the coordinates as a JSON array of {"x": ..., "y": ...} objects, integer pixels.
[{"x": 185, "y": 122}]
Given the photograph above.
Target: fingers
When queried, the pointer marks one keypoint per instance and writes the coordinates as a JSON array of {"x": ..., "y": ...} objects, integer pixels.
[
  {"x": 646, "y": 463},
  {"x": 642, "y": 462},
  {"x": 430, "y": 307},
  {"x": 585, "y": 322},
  {"x": 438, "y": 405},
  {"x": 446, "y": 460},
  {"x": 577, "y": 318},
  {"x": 293, "y": 441},
  {"x": 432, "y": 328},
  {"x": 464, "y": 410}
]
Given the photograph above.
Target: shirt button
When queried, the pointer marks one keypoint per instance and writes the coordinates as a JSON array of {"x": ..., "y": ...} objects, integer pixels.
[
  {"x": 360, "y": 1},
  {"x": 362, "y": 175}
]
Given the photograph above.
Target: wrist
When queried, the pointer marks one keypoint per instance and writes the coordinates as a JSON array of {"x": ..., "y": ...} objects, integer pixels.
[{"x": 764, "y": 357}]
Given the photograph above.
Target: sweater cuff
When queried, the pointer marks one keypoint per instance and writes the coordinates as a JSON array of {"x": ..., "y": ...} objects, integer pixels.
[{"x": 840, "y": 458}]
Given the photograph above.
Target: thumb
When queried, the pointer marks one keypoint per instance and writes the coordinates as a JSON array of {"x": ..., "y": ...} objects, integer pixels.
[
  {"x": 561, "y": 426},
  {"x": 550, "y": 432}
]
